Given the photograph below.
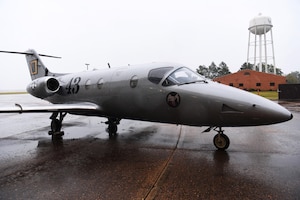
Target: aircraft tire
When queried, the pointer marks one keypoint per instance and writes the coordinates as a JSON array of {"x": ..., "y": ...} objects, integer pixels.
[
  {"x": 55, "y": 125},
  {"x": 221, "y": 141}
]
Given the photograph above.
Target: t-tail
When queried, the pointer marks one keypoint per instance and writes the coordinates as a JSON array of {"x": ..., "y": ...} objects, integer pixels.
[
  {"x": 37, "y": 69},
  {"x": 44, "y": 84}
]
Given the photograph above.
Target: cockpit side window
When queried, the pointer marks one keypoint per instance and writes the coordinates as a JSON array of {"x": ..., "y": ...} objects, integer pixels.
[{"x": 155, "y": 75}]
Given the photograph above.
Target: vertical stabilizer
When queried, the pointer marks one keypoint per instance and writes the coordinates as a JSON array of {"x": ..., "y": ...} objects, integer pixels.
[{"x": 36, "y": 67}]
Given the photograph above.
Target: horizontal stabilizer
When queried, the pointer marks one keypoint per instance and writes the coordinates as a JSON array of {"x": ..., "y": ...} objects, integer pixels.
[{"x": 28, "y": 53}]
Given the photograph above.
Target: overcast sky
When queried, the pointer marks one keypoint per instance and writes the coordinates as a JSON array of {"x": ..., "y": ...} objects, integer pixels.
[{"x": 191, "y": 32}]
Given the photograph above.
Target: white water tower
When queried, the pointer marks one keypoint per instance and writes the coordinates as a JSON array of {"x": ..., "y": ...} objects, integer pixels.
[{"x": 260, "y": 26}]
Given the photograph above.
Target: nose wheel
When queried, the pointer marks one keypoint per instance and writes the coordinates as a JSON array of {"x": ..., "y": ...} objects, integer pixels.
[{"x": 221, "y": 141}]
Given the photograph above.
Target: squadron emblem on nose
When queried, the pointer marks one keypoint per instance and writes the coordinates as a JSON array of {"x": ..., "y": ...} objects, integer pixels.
[{"x": 173, "y": 99}]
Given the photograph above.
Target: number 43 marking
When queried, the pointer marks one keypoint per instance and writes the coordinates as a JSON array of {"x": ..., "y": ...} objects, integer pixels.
[{"x": 73, "y": 86}]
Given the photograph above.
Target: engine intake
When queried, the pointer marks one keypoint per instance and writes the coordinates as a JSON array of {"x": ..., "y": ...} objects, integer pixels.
[{"x": 43, "y": 87}]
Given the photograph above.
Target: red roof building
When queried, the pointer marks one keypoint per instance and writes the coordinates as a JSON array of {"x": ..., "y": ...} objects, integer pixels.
[{"x": 252, "y": 80}]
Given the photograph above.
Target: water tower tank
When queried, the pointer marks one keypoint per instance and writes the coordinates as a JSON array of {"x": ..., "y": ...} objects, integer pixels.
[{"x": 260, "y": 25}]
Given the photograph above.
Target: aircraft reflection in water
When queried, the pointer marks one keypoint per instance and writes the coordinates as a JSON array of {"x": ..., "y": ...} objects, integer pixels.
[{"x": 157, "y": 92}]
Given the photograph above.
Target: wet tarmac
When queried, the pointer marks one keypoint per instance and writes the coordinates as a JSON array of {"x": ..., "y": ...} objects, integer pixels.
[{"x": 146, "y": 160}]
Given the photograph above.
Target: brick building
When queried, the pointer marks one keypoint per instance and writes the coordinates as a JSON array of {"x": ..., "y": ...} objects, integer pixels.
[{"x": 252, "y": 80}]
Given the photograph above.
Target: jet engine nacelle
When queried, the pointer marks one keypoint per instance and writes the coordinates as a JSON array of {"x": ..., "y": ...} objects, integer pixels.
[{"x": 43, "y": 87}]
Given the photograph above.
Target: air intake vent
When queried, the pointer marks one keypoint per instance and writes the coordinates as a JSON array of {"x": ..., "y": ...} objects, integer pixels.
[{"x": 228, "y": 109}]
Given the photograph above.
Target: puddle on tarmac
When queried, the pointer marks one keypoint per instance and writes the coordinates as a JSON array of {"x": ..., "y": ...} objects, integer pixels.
[{"x": 16, "y": 149}]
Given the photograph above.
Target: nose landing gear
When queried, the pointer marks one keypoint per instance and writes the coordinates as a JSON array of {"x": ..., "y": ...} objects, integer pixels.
[{"x": 221, "y": 141}]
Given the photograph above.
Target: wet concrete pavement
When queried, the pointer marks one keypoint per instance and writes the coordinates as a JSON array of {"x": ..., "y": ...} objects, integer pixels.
[{"x": 146, "y": 160}]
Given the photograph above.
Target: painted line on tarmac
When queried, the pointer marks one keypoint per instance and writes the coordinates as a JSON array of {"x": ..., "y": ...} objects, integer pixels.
[{"x": 153, "y": 190}]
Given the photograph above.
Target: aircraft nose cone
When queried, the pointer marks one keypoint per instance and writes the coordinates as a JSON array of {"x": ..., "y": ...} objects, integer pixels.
[
  {"x": 279, "y": 114},
  {"x": 265, "y": 112},
  {"x": 288, "y": 117}
]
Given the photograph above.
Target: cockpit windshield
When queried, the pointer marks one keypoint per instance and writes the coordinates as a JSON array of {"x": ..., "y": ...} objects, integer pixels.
[{"x": 183, "y": 76}]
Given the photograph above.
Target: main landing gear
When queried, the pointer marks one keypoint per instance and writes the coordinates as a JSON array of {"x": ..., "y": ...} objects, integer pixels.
[
  {"x": 112, "y": 126},
  {"x": 221, "y": 141},
  {"x": 56, "y": 123}
]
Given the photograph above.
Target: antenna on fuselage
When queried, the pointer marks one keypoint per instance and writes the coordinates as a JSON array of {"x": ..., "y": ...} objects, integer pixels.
[
  {"x": 108, "y": 65},
  {"x": 87, "y": 66}
]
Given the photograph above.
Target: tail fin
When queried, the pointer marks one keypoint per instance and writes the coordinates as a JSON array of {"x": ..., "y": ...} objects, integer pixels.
[{"x": 36, "y": 67}]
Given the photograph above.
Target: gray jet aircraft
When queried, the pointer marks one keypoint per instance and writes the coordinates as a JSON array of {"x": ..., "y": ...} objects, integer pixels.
[{"x": 156, "y": 92}]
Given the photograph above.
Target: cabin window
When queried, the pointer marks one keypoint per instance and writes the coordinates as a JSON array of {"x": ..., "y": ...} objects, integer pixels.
[
  {"x": 88, "y": 84},
  {"x": 155, "y": 75},
  {"x": 100, "y": 83},
  {"x": 133, "y": 81}
]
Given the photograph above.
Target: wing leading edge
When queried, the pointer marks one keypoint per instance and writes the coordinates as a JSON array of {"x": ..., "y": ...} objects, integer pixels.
[{"x": 76, "y": 108}]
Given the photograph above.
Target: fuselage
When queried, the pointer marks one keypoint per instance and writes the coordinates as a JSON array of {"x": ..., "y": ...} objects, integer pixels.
[{"x": 143, "y": 92}]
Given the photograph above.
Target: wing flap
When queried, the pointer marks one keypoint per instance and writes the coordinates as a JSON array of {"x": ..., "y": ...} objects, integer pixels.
[{"x": 70, "y": 108}]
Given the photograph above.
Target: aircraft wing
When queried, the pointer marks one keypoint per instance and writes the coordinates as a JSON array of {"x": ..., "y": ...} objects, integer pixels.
[{"x": 70, "y": 108}]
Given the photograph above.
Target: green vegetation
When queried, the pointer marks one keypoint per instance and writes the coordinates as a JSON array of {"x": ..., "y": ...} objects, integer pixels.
[
  {"x": 293, "y": 77},
  {"x": 272, "y": 95},
  {"x": 213, "y": 71}
]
